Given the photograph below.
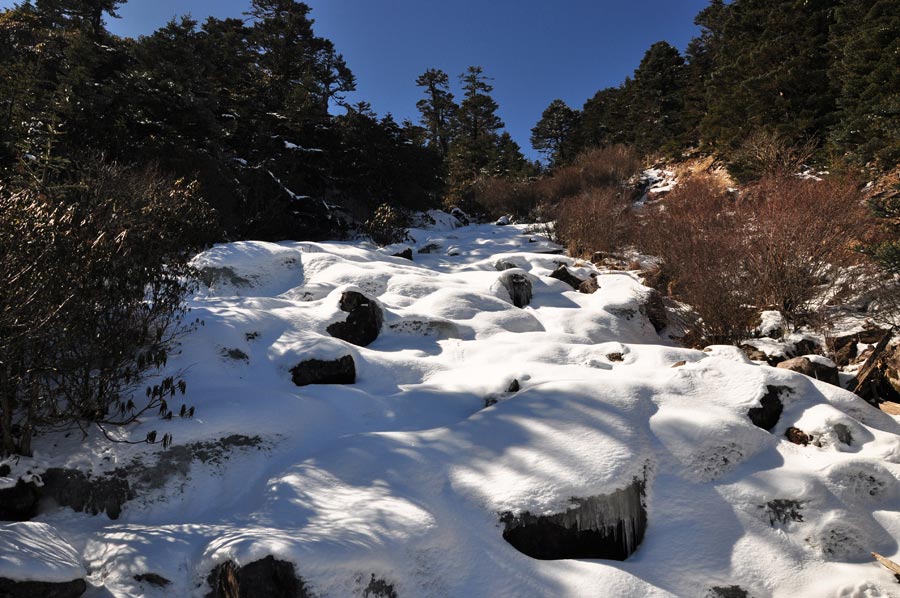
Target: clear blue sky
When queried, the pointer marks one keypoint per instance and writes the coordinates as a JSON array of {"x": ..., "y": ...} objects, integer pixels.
[{"x": 536, "y": 50}]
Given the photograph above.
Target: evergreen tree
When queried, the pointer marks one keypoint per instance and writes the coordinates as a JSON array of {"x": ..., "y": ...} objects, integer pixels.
[
  {"x": 477, "y": 123},
  {"x": 437, "y": 108},
  {"x": 606, "y": 118},
  {"x": 867, "y": 72},
  {"x": 552, "y": 135},
  {"x": 657, "y": 99}
]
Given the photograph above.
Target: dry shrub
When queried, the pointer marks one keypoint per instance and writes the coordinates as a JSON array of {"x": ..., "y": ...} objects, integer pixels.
[
  {"x": 770, "y": 155},
  {"x": 498, "y": 197},
  {"x": 805, "y": 237},
  {"x": 696, "y": 232},
  {"x": 784, "y": 243},
  {"x": 598, "y": 167},
  {"x": 597, "y": 220}
]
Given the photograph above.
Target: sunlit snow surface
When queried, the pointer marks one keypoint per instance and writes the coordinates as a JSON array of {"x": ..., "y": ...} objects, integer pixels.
[{"x": 404, "y": 474}]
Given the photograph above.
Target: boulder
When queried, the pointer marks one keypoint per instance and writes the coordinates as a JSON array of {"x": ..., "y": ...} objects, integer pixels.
[
  {"x": 516, "y": 283},
  {"x": 503, "y": 221},
  {"x": 562, "y": 273},
  {"x": 265, "y": 578},
  {"x": 654, "y": 310},
  {"x": 406, "y": 254},
  {"x": 766, "y": 416},
  {"x": 589, "y": 286},
  {"x": 320, "y": 371},
  {"x": 19, "y": 502},
  {"x": 363, "y": 321},
  {"x": 754, "y": 354},
  {"x": 86, "y": 494},
  {"x": 501, "y": 265},
  {"x": 814, "y": 369},
  {"x": 845, "y": 348},
  {"x": 609, "y": 526}
]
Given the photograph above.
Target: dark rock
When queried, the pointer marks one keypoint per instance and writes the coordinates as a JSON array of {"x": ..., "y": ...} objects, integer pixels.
[
  {"x": 807, "y": 367},
  {"x": 678, "y": 364},
  {"x": 843, "y": 433},
  {"x": 461, "y": 216},
  {"x": 609, "y": 526},
  {"x": 379, "y": 588},
  {"x": 844, "y": 348},
  {"x": 589, "y": 286},
  {"x": 753, "y": 353},
  {"x": 265, "y": 578},
  {"x": 430, "y": 248},
  {"x": 805, "y": 347},
  {"x": 20, "y": 502},
  {"x": 30, "y": 589},
  {"x": 153, "y": 579},
  {"x": 766, "y": 416},
  {"x": 318, "y": 371},
  {"x": 406, "y": 254},
  {"x": 655, "y": 310},
  {"x": 513, "y": 386},
  {"x": 518, "y": 286},
  {"x": 615, "y": 357},
  {"x": 235, "y": 354},
  {"x": 363, "y": 322},
  {"x": 75, "y": 489},
  {"x": 798, "y": 436},
  {"x": 502, "y": 265},
  {"x": 5, "y": 470},
  {"x": 562, "y": 273},
  {"x": 727, "y": 592}
]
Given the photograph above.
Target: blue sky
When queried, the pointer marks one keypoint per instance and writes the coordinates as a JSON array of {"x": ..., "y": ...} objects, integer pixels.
[{"x": 536, "y": 51}]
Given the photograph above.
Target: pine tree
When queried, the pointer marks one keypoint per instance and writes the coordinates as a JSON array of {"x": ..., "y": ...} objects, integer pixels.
[
  {"x": 477, "y": 123},
  {"x": 552, "y": 135},
  {"x": 867, "y": 71},
  {"x": 438, "y": 108},
  {"x": 657, "y": 99}
]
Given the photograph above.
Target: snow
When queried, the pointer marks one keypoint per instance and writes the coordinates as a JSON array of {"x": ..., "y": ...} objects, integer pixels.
[
  {"x": 405, "y": 474},
  {"x": 31, "y": 551}
]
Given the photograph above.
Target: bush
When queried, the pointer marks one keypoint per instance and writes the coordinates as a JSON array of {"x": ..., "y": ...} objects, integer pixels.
[
  {"x": 387, "y": 225},
  {"x": 696, "y": 232},
  {"x": 784, "y": 243},
  {"x": 599, "y": 167},
  {"x": 93, "y": 278},
  {"x": 497, "y": 197},
  {"x": 770, "y": 155},
  {"x": 597, "y": 220}
]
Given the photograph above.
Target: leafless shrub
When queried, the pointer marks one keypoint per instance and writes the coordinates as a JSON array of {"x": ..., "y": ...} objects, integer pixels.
[
  {"x": 769, "y": 154},
  {"x": 597, "y": 220},
  {"x": 92, "y": 281}
]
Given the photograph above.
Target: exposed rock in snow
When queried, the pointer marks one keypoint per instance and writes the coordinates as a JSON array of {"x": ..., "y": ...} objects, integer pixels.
[
  {"x": 766, "y": 416},
  {"x": 364, "y": 319},
  {"x": 609, "y": 526},
  {"x": 319, "y": 371},
  {"x": 265, "y": 578},
  {"x": 517, "y": 286},
  {"x": 813, "y": 366},
  {"x": 562, "y": 273}
]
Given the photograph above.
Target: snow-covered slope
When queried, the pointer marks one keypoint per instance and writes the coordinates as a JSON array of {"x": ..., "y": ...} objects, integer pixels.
[{"x": 406, "y": 473}]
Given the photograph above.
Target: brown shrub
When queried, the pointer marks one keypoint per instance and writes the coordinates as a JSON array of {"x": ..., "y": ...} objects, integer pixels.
[
  {"x": 695, "y": 231},
  {"x": 804, "y": 237},
  {"x": 497, "y": 197},
  {"x": 784, "y": 243},
  {"x": 597, "y": 220}
]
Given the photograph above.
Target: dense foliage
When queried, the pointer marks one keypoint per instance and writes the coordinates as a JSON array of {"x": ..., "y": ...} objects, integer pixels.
[{"x": 822, "y": 73}]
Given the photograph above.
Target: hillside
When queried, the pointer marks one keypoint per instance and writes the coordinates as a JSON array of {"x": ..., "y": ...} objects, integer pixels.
[{"x": 469, "y": 419}]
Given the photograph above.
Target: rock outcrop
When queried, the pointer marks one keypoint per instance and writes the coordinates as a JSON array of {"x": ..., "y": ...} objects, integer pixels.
[
  {"x": 814, "y": 369},
  {"x": 319, "y": 371},
  {"x": 265, "y": 578},
  {"x": 517, "y": 284},
  {"x": 609, "y": 526},
  {"x": 363, "y": 323}
]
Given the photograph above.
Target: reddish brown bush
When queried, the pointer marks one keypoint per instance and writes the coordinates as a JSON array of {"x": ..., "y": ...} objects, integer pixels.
[
  {"x": 784, "y": 243},
  {"x": 597, "y": 220}
]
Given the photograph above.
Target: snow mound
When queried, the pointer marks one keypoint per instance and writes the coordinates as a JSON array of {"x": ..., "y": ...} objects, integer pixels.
[{"x": 32, "y": 551}]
